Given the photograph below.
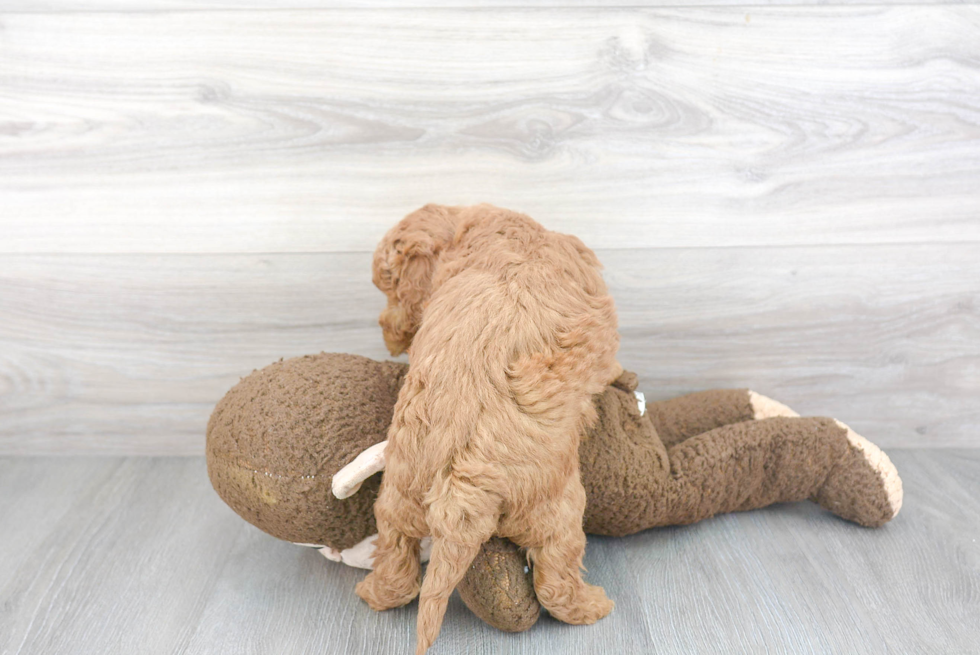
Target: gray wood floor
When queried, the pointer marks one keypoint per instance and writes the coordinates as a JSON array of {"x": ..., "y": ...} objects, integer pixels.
[{"x": 138, "y": 555}]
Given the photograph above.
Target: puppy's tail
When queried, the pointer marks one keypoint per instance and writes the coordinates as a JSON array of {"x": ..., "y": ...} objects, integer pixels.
[
  {"x": 462, "y": 514},
  {"x": 447, "y": 566}
]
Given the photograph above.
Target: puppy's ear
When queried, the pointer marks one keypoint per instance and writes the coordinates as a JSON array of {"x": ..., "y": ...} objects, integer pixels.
[
  {"x": 404, "y": 265},
  {"x": 416, "y": 251},
  {"x": 414, "y": 244},
  {"x": 417, "y": 266},
  {"x": 413, "y": 289}
]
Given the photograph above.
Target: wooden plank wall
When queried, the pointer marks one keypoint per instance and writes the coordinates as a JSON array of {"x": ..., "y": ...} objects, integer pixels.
[{"x": 786, "y": 197}]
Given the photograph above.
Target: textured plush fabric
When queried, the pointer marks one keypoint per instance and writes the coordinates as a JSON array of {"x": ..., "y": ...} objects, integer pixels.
[
  {"x": 276, "y": 439},
  {"x": 855, "y": 493},
  {"x": 634, "y": 481},
  {"x": 697, "y": 413}
]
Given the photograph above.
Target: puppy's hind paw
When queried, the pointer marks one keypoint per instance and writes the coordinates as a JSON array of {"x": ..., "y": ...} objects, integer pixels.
[
  {"x": 380, "y": 596},
  {"x": 588, "y": 605}
]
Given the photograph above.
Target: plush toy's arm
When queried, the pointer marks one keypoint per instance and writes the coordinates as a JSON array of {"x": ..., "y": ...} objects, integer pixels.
[
  {"x": 348, "y": 480},
  {"x": 361, "y": 555}
]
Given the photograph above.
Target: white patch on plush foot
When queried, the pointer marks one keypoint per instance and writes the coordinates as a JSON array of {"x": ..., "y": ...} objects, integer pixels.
[
  {"x": 361, "y": 554},
  {"x": 766, "y": 407},
  {"x": 883, "y": 466},
  {"x": 348, "y": 480}
]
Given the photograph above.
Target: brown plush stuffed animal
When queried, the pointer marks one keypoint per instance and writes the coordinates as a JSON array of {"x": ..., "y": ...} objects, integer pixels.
[{"x": 287, "y": 437}]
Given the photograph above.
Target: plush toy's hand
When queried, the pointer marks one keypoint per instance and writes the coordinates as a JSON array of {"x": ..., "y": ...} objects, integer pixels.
[
  {"x": 349, "y": 479},
  {"x": 361, "y": 556},
  {"x": 627, "y": 381}
]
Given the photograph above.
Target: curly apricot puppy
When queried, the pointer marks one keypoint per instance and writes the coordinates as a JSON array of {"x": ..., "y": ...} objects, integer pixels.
[{"x": 510, "y": 331}]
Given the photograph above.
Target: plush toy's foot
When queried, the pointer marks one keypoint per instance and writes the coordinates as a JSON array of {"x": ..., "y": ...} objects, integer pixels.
[
  {"x": 864, "y": 487},
  {"x": 765, "y": 407}
]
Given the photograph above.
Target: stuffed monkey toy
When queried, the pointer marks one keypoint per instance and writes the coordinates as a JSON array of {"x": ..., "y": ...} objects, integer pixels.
[{"x": 297, "y": 449}]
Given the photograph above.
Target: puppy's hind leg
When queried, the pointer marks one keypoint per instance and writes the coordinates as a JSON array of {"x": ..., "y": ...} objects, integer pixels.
[
  {"x": 556, "y": 545},
  {"x": 462, "y": 517},
  {"x": 397, "y": 571}
]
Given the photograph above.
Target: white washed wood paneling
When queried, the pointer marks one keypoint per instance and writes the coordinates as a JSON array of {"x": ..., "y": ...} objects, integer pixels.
[
  {"x": 128, "y": 353},
  {"x": 314, "y": 130},
  {"x": 50, "y": 6}
]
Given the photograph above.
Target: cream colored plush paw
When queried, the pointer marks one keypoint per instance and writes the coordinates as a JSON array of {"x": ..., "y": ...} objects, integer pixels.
[
  {"x": 361, "y": 554},
  {"x": 766, "y": 407},
  {"x": 878, "y": 460}
]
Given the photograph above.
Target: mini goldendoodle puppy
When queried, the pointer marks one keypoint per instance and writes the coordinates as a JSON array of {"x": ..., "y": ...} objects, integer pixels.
[{"x": 510, "y": 331}]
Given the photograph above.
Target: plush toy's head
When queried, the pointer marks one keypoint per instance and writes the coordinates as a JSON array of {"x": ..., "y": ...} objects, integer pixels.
[{"x": 275, "y": 441}]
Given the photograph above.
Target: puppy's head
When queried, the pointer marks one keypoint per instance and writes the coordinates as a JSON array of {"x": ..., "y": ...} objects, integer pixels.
[{"x": 404, "y": 263}]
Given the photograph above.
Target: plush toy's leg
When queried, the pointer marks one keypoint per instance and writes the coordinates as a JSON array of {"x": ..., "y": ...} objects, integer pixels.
[
  {"x": 555, "y": 545},
  {"x": 756, "y": 463},
  {"x": 396, "y": 577},
  {"x": 853, "y": 488},
  {"x": 680, "y": 418}
]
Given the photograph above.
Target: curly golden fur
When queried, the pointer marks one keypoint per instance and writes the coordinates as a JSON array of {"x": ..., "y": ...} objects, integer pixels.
[{"x": 510, "y": 331}]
